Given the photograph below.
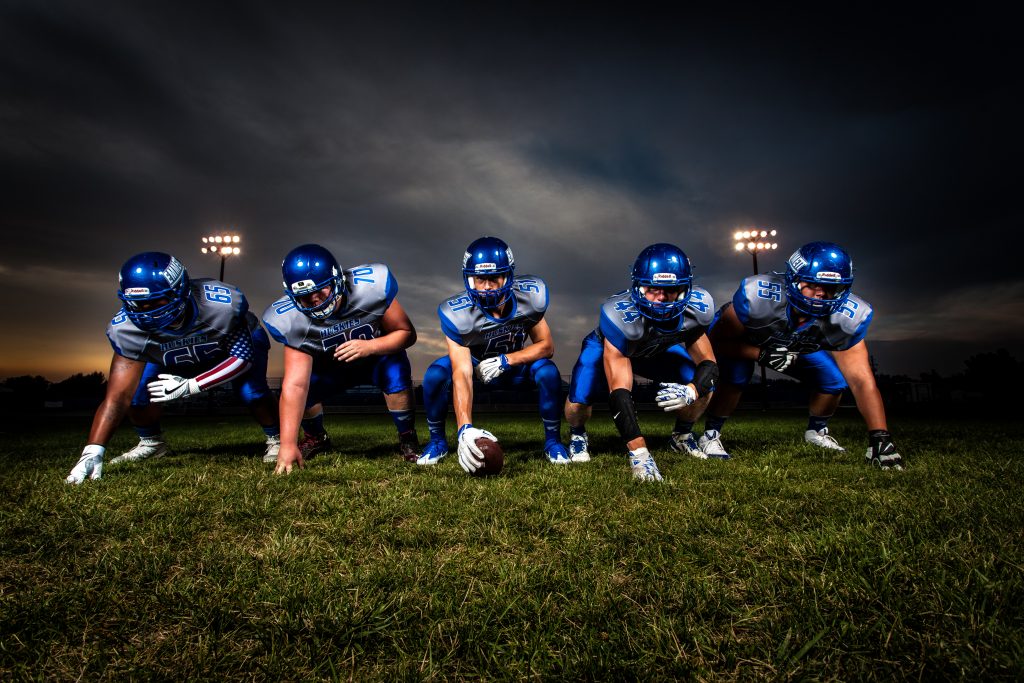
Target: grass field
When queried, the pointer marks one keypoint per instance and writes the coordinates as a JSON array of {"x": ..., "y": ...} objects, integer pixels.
[{"x": 785, "y": 562}]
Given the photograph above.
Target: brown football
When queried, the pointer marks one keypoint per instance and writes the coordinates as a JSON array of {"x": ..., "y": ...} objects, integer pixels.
[{"x": 494, "y": 457}]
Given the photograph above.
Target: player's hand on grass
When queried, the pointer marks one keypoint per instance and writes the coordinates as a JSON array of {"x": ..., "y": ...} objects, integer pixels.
[
  {"x": 89, "y": 465},
  {"x": 882, "y": 451},
  {"x": 674, "y": 396},
  {"x": 289, "y": 457},
  {"x": 169, "y": 387}
]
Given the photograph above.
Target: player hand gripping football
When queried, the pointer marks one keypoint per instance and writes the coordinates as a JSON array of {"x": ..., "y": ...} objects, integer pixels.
[
  {"x": 674, "y": 396},
  {"x": 169, "y": 387},
  {"x": 470, "y": 456},
  {"x": 489, "y": 370},
  {"x": 90, "y": 465}
]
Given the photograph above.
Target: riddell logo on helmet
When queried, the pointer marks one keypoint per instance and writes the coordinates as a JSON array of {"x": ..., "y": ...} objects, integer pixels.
[
  {"x": 669, "y": 278},
  {"x": 137, "y": 291},
  {"x": 482, "y": 267},
  {"x": 302, "y": 287},
  {"x": 829, "y": 275}
]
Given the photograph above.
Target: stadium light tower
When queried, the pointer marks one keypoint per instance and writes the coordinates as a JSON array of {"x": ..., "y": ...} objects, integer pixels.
[
  {"x": 756, "y": 240},
  {"x": 223, "y": 246}
]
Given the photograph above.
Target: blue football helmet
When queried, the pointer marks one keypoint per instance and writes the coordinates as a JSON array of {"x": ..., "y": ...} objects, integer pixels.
[
  {"x": 822, "y": 263},
  {"x": 309, "y": 269},
  {"x": 488, "y": 256},
  {"x": 154, "y": 288},
  {"x": 661, "y": 265}
]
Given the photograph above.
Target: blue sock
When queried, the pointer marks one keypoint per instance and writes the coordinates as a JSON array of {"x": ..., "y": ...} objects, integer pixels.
[
  {"x": 148, "y": 432},
  {"x": 405, "y": 420},
  {"x": 552, "y": 429},
  {"x": 436, "y": 428},
  {"x": 313, "y": 425},
  {"x": 272, "y": 431},
  {"x": 817, "y": 423},
  {"x": 578, "y": 431},
  {"x": 714, "y": 423},
  {"x": 683, "y": 426}
]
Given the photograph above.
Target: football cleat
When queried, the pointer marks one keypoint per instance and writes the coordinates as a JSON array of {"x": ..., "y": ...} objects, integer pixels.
[
  {"x": 434, "y": 452},
  {"x": 557, "y": 455},
  {"x": 314, "y": 445},
  {"x": 148, "y": 447},
  {"x": 409, "y": 447},
  {"x": 884, "y": 457},
  {"x": 579, "y": 448},
  {"x": 685, "y": 443},
  {"x": 273, "y": 448},
  {"x": 710, "y": 444},
  {"x": 642, "y": 465},
  {"x": 823, "y": 439}
]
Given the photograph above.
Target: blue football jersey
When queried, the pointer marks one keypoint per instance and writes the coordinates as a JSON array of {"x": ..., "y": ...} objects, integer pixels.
[
  {"x": 219, "y": 329},
  {"x": 637, "y": 336},
  {"x": 468, "y": 325},
  {"x": 762, "y": 306},
  {"x": 369, "y": 291}
]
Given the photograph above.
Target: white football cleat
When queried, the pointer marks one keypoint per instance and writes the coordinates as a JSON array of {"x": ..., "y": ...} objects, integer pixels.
[
  {"x": 273, "y": 448},
  {"x": 578, "y": 448},
  {"x": 823, "y": 439},
  {"x": 685, "y": 443},
  {"x": 148, "y": 447},
  {"x": 643, "y": 466},
  {"x": 710, "y": 444}
]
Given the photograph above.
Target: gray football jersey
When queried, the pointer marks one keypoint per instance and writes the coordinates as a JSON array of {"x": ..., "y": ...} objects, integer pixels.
[
  {"x": 220, "y": 309},
  {"x": 369, "y": 290},
  {"x": 762, "y": 305},
  {"x": 467, "y": 324},
  {"x": 637, "y": 336}
]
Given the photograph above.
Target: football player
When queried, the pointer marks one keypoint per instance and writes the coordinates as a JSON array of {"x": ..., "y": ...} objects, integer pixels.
[
  {"x": 805, "y": 324},
  {"x": 175, "y": 337},
  {"x": 486, "y": 327},
  {"x": 656, "y": 329},
  {"x": 340, "y": 328}
]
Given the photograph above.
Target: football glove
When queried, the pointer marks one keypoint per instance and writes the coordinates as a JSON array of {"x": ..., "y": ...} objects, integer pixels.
[
  {"x": 170, "y": 387},
  {"x": 489, "y": 370},
  {"x": 674, "y": 396},
  {"x": 778, "y": 358},
  {"x": 470, "y": 456},
  {"x": 89, "y": 465},
  {"x": 882, "y": 452}
]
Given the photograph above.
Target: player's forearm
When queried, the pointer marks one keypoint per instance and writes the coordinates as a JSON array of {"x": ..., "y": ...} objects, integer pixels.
[
  {"x": 462, "y": 398},
  {"x": 531, "y": 353},
  {"x": 393, "y": 342},
  {"x": 230, "y": 368},
  {"x": 292, "y": 404},
  {"x": 869, "y": 403},
  {"x": 108, "y": 417}
]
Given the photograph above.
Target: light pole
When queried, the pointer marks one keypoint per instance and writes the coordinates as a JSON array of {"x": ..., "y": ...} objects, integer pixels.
[
  {"x": 222, "y": 246},
  {"x": 756, "y": 240}
]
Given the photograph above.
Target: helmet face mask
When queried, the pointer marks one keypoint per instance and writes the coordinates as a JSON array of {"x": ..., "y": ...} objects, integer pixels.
[
  {"x": 667, "y": 268},
  {"x": 819, "y": 265},
  {"x": 154, "y": 290},
  {"x": 489, "y": 258},
  {"x": 309, "y": 270}
]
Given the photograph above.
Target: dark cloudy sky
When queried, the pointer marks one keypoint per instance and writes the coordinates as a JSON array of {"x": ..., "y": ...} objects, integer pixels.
[{"x": 578, "y": 137}]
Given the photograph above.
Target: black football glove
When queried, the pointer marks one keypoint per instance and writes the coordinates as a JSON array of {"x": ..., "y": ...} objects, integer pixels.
[
  {"x": 882, "y": 452},
  {"x": 777, "y": 358}
]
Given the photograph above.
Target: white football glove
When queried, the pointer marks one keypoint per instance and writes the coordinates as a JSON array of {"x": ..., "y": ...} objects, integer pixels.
[
  {"x": 489, "y": 370},
  {"x": 89, "y": 465},
  {"x": 674, "y": 396},
  {"x": 778, "y": 358},
  {"x": 170, "y": 387},
  {"x": 470, "y": 456}
]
